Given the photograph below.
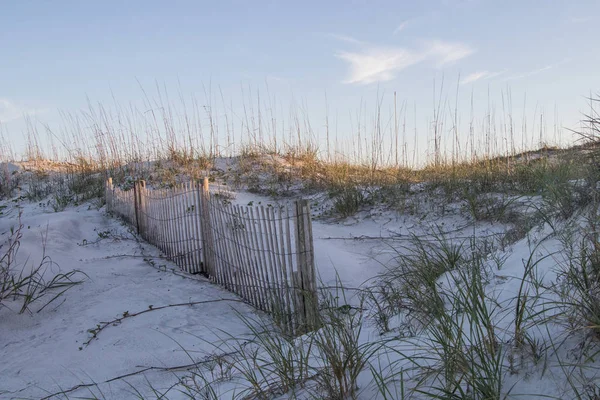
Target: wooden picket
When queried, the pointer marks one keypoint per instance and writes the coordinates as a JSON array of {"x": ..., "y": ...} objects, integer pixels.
[{"x": 263, "y": 254}]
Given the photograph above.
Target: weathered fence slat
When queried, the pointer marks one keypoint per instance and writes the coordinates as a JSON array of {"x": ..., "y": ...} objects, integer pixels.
[
  {"x": 177, "y": 225},
  {"x": 222, "y": 250},
  {"x": 251, "y": 266},
  {"x": 260, "y": 262},
  {"x": 168, "y": 227},
  {"x": 163, "y": 225},
  {"x": 200, "y": 267},
  {"x": 284, "y": 269},
  {"x": 187, "y": 234}
]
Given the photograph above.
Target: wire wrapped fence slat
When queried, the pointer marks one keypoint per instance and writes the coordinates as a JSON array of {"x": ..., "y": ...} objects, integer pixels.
[{"x": 263, "y": 254}]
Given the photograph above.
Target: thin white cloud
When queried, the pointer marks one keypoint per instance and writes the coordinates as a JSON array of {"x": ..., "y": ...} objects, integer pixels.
[
  {"x": 536, "y": 71},
  {"x": 417, "y": 20},
  {"x": 401, "y": 27},
  {"x": 9, "y": 111},
  {"x": 448, "y": 52},
  {"x": 580, "y": 20},
  {"x": 475, "y": 76},
  {"x": 530, "y": 73},
  {"x": 345, "y": 38},
  {"x": 495, "y": 74},
  {"x": 379, "y": 64}
]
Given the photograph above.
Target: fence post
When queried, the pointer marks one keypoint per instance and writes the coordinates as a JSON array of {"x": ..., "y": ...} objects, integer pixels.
[
  {"x": 136, "y": 205},
  {"x": 205, "y": 229},
  {"x": 142, "y": 209},
  {"x": 108, "y": 194},
  {"x": 306, "y": 276}
]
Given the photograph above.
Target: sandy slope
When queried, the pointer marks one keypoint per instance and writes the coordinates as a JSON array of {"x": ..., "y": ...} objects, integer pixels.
[{"x": 41, "y": 353}]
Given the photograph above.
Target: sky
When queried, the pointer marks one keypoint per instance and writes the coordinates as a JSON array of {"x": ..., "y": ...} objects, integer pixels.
[{"x": 327, "y": 55}]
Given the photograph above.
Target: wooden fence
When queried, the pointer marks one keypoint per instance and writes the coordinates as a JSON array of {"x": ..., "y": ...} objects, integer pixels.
[{"x": 263, "y": 254}]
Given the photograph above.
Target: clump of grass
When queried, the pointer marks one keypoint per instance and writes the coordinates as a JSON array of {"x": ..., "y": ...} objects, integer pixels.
[
  {"x": 283, "y": 360},
  {"x": 31, "y": 286},
  {"x": 86, "y": 186},
  {"x": 580, "y": 281},
  {"x": 490, "y": 207},
  {"x": 9, "y": 181},
  {"x": 531, "y": 311},
  {"x": 478, "y": 177},
  {"x": 61, "y": 198},
  {"x": 562, "y": 194},
  {"x": 325, "y": 363},
  {"x": 348, "y": 201},
  {"x": 37, "y": 185},
  {"x": 385, "y": 302},
  {"x": 341, "y": 355},
  {"x": 462, "y": 356},
  {"x": 579, "y": 276},
  {"x": 440, "y": 287},
  {"x": 522, "y": 225},
  {"x": 198, "y": 386},
  {"x": 269, "y": 362},
  {"x": 414, "y": 284}
]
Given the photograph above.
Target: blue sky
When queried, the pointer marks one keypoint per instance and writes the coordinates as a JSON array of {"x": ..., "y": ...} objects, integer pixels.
[{"x": 56, "y": 54}]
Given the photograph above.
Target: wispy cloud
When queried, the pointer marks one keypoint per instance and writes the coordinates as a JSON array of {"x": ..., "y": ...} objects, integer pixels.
[
  {"x": 475, "y": 76},
  {"x": 401, "y": 27},
  {"x": 379, "y": 63},
  {"x": 530, "y": 73},
  {"x": 448, "y": 52},
  {"x": 345, "y": 38},
  {"x": 536, "y": 71},
  {"x": 418, "y": 20},
  {"x": 580, "y": 20},
  {"x": 9, "y": 111}
]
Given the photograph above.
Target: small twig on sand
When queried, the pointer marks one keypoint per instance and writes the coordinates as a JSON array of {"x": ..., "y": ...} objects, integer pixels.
[
  {"x": 403, "y": 237},
  {"x": 185, "y": 367},
  {"x": 103, "y": 325}
]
